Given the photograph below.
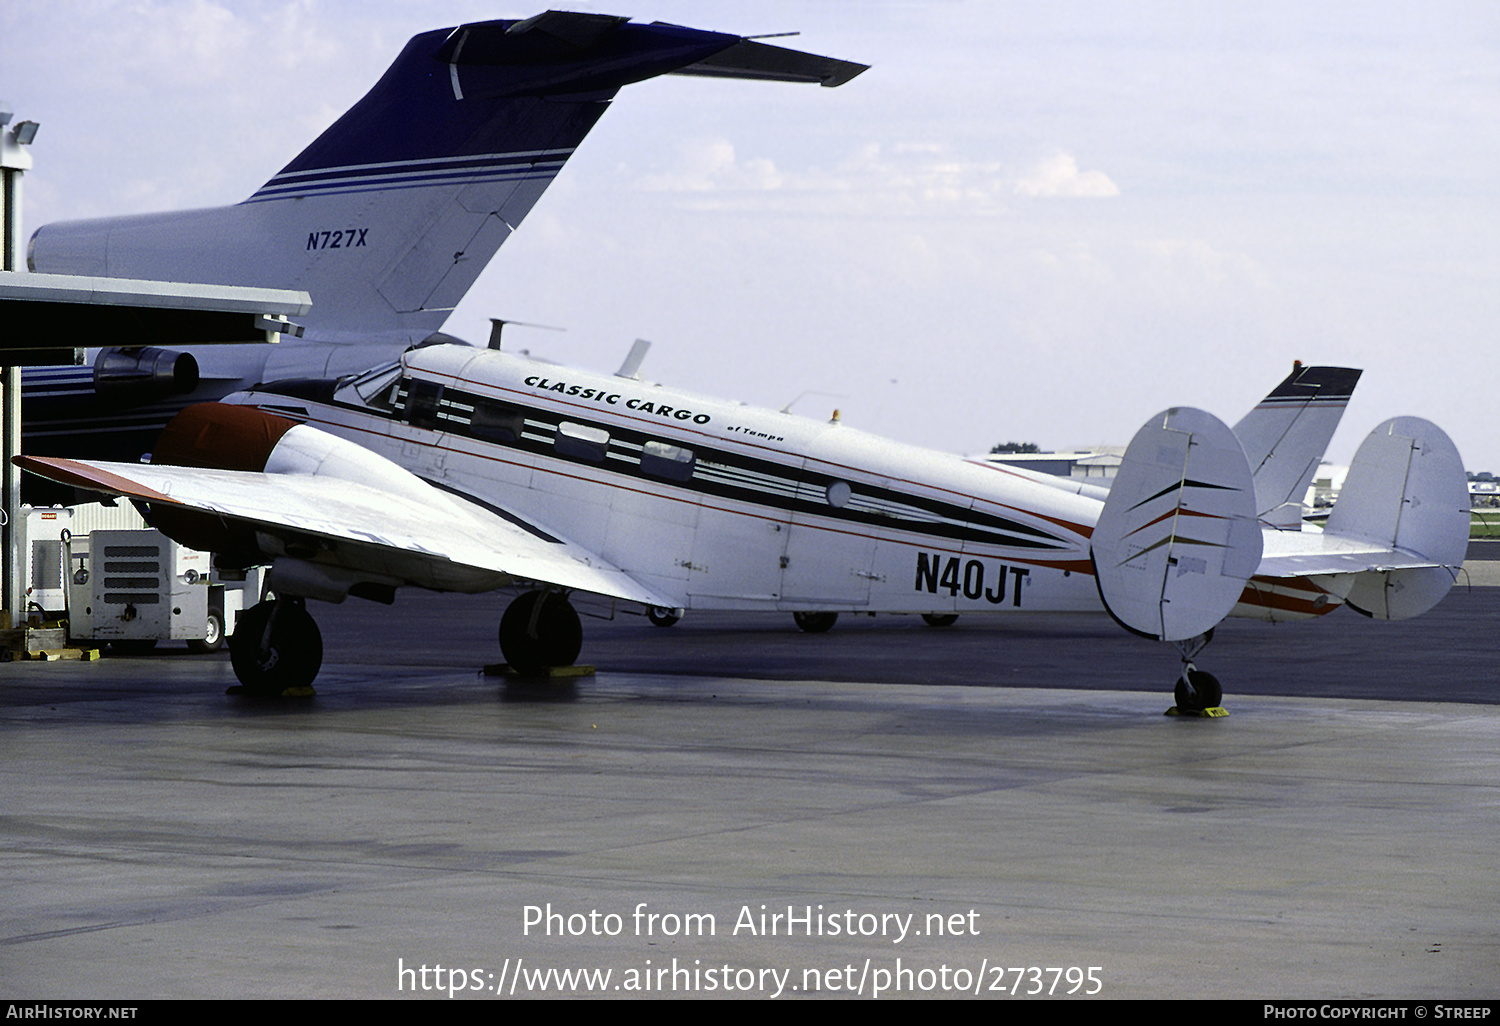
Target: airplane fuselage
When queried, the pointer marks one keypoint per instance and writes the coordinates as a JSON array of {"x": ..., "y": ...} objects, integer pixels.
[
  {"x": 719, "y": 505},
  {"x": 464, "y": 469}
]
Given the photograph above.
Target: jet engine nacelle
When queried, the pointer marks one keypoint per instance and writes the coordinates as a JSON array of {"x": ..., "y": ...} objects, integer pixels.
[{"x": 140, "y": 376}]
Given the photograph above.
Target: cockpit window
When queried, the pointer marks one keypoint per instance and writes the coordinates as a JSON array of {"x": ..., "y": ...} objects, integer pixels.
[
  {"x": 423, "y": 399},
  {"x": 377, "y": 387}
]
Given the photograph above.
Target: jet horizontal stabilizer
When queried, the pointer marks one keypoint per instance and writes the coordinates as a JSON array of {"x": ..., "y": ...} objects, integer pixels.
[
  {"x": 389, "y": 216},
  {"x": 749, "y": 59}
]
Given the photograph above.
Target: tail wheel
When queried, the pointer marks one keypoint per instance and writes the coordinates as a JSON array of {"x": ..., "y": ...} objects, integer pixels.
[
  {"x": 815, "y": 623},
  {"x": 275, "y": 646},
  {"x": 1197, "y": 690},
  {"x": 540, "y": 630},
  {"x": 940, "y": 619}
]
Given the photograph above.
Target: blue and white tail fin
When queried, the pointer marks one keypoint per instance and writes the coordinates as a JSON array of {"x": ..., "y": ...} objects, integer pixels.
[
  {"x": 390, "y": 215},
  {"x": 1285, "y": 436}
]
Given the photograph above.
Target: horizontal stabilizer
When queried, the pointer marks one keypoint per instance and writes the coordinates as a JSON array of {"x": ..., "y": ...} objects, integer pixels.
[
  {"x": 749, "y": 59},
  {"x": 1406, "y": 492},
  {"x": 1177, "y": 538}
]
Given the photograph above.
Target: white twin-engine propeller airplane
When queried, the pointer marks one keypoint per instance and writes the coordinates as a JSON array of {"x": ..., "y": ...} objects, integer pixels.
[{"x": 459, "y": 469}]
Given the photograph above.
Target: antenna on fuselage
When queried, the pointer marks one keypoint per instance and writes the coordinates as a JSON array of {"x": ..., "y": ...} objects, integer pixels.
[
  {"x": 497, "y": 325},
  {"x": 631, "y": 368}
]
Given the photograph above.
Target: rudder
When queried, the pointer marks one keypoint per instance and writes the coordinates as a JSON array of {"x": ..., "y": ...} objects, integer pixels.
[
  {"x": 1285, "y": 436},
  {"x": 1407, "y": 490},
  {"x": 1177, "y": 538}
]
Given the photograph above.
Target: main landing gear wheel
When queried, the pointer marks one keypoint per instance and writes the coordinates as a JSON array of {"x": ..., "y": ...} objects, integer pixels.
[
  {"x": 815, "y": 623},
  {"x": 1197, "y": 691},
  {"x": 663, "y": 616},
  {"x": 940, "y": 619},
  {"x": 276, "y": 646},
  {"x": 540, "y": 630}
]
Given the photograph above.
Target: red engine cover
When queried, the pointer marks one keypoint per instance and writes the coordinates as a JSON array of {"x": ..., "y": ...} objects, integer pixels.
[
  {"x": 220, "y": 436},
  {"x": 216, "y": 436}
]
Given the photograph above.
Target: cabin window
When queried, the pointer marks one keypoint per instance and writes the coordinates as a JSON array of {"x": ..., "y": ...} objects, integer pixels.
[
  {"x": 422, "y": 402},
  {"x": 670, "y": 462},
  {"x": 497, "y": 422},
  {"x": 581, "y": 441}
]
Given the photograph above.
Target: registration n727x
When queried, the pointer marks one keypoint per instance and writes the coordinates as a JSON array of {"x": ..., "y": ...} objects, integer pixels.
[{"x": 465, "y": 469}]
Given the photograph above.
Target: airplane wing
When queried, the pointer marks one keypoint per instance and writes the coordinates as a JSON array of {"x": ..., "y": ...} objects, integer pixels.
[{"x": 396, "y": 530}]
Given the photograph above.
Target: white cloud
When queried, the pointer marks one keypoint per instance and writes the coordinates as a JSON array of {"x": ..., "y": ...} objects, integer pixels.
[
  {"x": 710, "y": 165},
  {"x": 906, "y": 179},
  {"x": 1058, "y": 175}
]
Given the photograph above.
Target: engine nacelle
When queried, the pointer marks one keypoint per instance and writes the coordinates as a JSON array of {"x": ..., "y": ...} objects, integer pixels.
[
  {"x": 138, "y": 376},
  {"x": 224, "y": 436},
  {"x": 217, "y": 436}
]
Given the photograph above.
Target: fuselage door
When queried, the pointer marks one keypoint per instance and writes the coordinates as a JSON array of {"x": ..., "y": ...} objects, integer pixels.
[
  {"x": 830, "y": 548},
  {"x": 422, "y": 412}
]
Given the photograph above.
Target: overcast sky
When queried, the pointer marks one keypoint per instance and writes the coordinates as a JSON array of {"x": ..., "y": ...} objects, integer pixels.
[{"x": 1028, "y": 221}]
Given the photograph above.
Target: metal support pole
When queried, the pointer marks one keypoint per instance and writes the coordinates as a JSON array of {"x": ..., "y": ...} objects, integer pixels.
[
  {"x": 10, "y": 504},
  {"x": 14, "y": 161}
]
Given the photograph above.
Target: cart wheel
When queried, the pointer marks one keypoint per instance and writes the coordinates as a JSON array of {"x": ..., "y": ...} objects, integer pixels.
[{"x": 213, "y": 634}]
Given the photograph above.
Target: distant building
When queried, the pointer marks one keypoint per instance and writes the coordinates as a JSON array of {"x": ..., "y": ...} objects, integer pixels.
[
  {"x": 1484, "y": 490},
  {"x": 1095, "y": 466},
  {"x": 1326, "y": 482}
]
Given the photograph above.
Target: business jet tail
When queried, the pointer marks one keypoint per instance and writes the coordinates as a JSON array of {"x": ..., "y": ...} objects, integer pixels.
[{"x": 390, "y": 215}]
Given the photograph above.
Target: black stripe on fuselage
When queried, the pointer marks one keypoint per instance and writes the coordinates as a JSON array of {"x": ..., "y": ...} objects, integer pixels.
[{"x": 714, "y": 472}]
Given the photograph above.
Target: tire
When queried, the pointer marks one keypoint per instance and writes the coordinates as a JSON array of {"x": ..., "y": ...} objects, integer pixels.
[
  {"x": 1206, "y": 692},
  {"x": 940, "y": 619},
  {"x": 815, "y": 623},
  {"x": 213, "y": 637},
  {"x": 293, "y": 653},
  {"x": 558, "y": 638},
  {"x": 663, "y": 616}
]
